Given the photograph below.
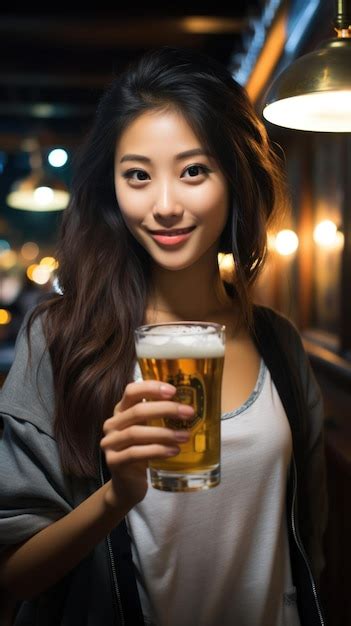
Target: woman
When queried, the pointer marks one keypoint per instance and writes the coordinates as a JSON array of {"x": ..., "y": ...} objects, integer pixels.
[{"x": 176, "y": 169}]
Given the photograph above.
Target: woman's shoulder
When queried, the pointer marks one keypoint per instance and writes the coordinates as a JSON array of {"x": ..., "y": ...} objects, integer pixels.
[
  {"x": 283, "y": 325},
  {"x": 28, "y": 392},
  {"x": 31, "y": 344},
  {"x": 268, "y": 320},
  {"x": 290, "y": 341}
]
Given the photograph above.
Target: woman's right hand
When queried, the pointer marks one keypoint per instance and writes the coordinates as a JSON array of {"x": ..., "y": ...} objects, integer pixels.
[{"x": 129, "y": 441}]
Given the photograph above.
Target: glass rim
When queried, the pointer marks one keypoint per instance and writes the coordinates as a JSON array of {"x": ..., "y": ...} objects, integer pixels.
[{"x": 215, "y": 326}]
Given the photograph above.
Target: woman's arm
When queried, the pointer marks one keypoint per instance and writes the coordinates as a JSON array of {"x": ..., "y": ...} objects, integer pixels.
[
  {"x": 129, "y": 443},
  {"x": 29, "y": 568}
]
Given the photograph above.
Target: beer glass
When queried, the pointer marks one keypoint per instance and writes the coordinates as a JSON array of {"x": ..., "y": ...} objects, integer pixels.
[{"x": 190, "y": 356}]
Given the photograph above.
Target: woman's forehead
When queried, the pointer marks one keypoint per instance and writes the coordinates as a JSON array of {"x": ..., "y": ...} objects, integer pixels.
[{"x": 154, "y": 131}]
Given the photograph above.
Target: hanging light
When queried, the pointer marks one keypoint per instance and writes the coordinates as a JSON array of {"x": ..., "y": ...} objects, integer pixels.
[
  {"x": 39, "y": 191},
  {"x": 314, "y": 92}
]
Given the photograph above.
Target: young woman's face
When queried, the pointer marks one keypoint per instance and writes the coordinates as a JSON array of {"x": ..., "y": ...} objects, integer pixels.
[{"x": 172, "y": 195}]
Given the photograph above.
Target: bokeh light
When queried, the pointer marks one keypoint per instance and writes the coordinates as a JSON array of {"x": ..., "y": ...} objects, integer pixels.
[
  {"x": 286, "y": 242},
  {"x": 57, "y": 157},
  {"x": 30, "y": 250}
]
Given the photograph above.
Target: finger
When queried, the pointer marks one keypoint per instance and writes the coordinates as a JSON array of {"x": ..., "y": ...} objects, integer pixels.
[
  {"x": 148, "y": 389},
  {"x": 136, "y": 454},
  {"x": 146, "y": 411},
  {"x": 143, "y": 435}
]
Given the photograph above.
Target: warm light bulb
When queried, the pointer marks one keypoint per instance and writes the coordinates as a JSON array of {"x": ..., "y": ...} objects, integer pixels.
[
  {"x": 286, "y": 242},
  {"x": 50, "y": 262},
  {"x": 5, "y": 316},
  {"x": 324, "y": 234},
  {"x": 41, "y": 274},
  {"x": 323, "y": 111},
  {"x": 30, "y": 270},
  {"x": 41, "y": 198},
  {"x": 43, "y": 195},
  {"x": 8, "y": 259}
]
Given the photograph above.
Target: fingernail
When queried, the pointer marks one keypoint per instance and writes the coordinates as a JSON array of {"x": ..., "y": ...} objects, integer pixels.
[
  {"x": 185, "y": 410},
  {"x": 182, "y": 436},
  {"x": 172, "y": 451},
  {"x": 167, "y": 390}
]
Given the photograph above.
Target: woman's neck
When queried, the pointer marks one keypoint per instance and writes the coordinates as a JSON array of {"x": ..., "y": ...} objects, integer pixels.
[{"x": 189, "y": 294}]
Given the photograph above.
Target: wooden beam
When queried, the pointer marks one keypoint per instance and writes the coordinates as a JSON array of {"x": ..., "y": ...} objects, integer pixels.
[
  {"x": 117, "y": 31},
  {"x": 12, "y": 142}
]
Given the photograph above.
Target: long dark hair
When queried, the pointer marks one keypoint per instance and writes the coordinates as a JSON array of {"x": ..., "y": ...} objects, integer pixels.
[{"x": 104, "y": 272}]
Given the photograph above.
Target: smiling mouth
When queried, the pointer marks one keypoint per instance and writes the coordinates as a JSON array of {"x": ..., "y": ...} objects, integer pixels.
[
  {"x": 173, "y": 232},
  {"x": 172, "y": 238}
]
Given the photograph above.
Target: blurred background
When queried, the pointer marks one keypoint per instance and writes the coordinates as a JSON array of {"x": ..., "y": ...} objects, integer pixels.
[{"x": 53, "y": 68}]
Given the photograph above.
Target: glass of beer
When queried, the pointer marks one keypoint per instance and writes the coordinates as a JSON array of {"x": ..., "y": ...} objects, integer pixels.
[{"x": 190, "y": 356}]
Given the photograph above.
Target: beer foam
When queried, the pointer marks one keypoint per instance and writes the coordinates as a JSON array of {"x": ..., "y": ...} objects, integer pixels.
[{"x": 193, "y": 341}]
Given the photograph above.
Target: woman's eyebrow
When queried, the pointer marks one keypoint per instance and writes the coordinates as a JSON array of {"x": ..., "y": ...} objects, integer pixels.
[{"x": 178, "y": 157}]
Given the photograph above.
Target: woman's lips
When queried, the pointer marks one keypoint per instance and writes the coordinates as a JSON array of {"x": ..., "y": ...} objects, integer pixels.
[{"x": 172, "y": 239}]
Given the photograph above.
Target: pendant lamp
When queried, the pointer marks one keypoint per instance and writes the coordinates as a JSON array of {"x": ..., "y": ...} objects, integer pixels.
[
  {"x": 38, "y": 191},
  {"x": 314, "y": 92}
]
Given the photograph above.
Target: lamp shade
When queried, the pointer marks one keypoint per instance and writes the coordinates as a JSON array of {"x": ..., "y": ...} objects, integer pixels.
[
  {"x": 38, "y": 192},
  {"x": 314, "y": 92}
]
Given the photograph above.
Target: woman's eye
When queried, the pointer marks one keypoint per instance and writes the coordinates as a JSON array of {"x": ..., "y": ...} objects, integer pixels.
[
  {"x": 138, "y": 175},
  {"x": 195, "y": 170},
  {"x": 141, "y": 176}
]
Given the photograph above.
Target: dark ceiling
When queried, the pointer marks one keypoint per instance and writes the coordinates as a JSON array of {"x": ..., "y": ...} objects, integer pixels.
[{"x": 53, "y": 66}]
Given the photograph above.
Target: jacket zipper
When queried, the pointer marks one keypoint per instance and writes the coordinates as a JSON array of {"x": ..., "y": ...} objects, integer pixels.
[
  {"x": 299, "y": 543},
  {"x": 115, "y": 583},
  {"x": 112, "y": 561}
]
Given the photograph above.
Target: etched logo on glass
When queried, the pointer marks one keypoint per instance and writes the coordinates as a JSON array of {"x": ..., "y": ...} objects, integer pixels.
[{"x": 190, "y": 390}]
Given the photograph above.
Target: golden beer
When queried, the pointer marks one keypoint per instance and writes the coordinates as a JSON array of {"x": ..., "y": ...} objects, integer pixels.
[{"x": 190, "y": 356}]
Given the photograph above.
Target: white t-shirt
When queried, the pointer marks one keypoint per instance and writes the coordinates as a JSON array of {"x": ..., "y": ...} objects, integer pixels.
[{"x": 220, "y": 557}]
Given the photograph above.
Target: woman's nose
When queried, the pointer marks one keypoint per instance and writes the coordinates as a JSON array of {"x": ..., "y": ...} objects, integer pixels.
[{"x": 166, "y": 203}]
